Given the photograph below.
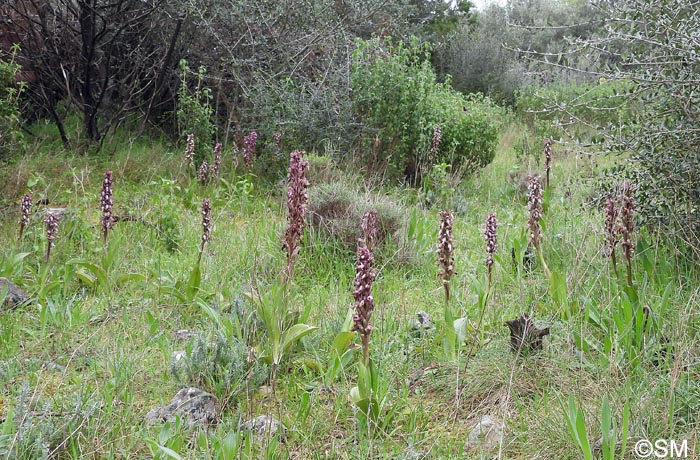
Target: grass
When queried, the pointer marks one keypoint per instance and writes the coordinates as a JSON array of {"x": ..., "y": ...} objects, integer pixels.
[{"x": 82, "y": 365}]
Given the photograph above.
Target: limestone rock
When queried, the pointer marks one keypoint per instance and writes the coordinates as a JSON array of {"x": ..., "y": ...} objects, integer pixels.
[
  {"x": 14, "y": 296},
  {"x": 192, "y": 405},
  {"x": 183, "y": 335},
  {"x": 265, "y": 425},
  {"x": 61, "y": 213},
  {"x": 179, "y": 355},
  {"x": 423, "y": 321},
  {"x": 487, "y": 434}
]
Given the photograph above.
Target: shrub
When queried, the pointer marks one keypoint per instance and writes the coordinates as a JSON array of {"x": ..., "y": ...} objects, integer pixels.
[
  {"x": 194, "y": 112},
  {"x": 399, "y": 100},
  {"x": 10, "y": 134},
  {"x": 654, "y": 58}
]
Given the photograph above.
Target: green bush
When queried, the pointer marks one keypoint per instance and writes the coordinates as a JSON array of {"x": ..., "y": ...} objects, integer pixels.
[
  {"x": 10, "y": 134},
  {"x": 194, "y": 112},
  {"x": 399, "y": 100}
]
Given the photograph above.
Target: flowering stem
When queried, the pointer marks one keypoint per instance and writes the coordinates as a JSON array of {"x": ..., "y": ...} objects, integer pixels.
[
  {"x": 445, "y": 252},
  {"x": 297, "y": 198},
  {"x": 626, "y": 227},
  {"x": 106, "y": 204},
  {"x": 25, "y": 214},
  {"x": 51, "y": 233},
  {"x": 548, "y": 158},
  {"x": 364, "y": 301},
  {"x": 206, "y": 227}
]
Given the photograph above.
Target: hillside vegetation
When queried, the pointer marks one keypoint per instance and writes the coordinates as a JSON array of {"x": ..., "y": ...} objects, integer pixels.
[
  {"x": 349, "y": 229},
  {"x": 98, "y": 345}
]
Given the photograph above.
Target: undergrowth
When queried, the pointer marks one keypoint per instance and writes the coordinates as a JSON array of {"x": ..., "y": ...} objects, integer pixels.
[{"x": 82, "y": 364}]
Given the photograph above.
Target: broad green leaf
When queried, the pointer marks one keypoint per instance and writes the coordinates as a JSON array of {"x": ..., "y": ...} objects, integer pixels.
[
  {"x": 121, "y": 279},
  {"x": 557, "y": 288},
  {"x": 98, "y": 273},
  {"x": 342, "y": 341},
  {"x": 169, "y": 452},
  {"x": 295, "y": 333},
  {"x": 606, "y": 424},
  {"x": 194, "y": 282},
  {"x": 461, "y": 327},
  {"x": 355, "y": 396}
]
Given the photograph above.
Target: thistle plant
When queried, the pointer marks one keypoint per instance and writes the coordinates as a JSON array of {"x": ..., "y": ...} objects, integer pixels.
[
  {"x": 249, "y": 148},
  {"x": 217, "y": 160},
  {"x": 106, "y": 206},
  {"x": 437, "y": 137},
  {"x": 612, "y": 230},
  {"x": 626, "y": 228},
  {"x": 189, "y": 151},
  {"x": 297, "y": 198},
  {"x": 534, "y": 204},
  {"x": 490, "y": 236},
  {"x": 364, "y": 302},
  {"x": 25, "y": 209},
  {"x": 206, "y": 226},
  {"x": 370, "y": 227},
  {"x": 548, "y": 158},
  {"x": 203, "y": 175},
  {"x": 51, "y": 222},
  {"x": 445, "y": 251}
]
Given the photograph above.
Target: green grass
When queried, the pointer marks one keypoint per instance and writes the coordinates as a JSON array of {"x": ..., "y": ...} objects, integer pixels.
[{"x": 83, "y": 364}]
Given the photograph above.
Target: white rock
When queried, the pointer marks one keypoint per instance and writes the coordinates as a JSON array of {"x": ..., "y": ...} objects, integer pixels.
[{"x": 487, "y": 434}]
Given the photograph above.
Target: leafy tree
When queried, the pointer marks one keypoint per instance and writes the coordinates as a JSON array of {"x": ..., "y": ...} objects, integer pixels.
[
  {"x": 651, "y": 48},
  {"x": 489, "y": 51}
]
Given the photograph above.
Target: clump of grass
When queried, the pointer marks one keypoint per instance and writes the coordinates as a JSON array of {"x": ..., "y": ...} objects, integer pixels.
[
  {"x": 219, "y": 364},
  {"x": 334, "y": 210}
]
